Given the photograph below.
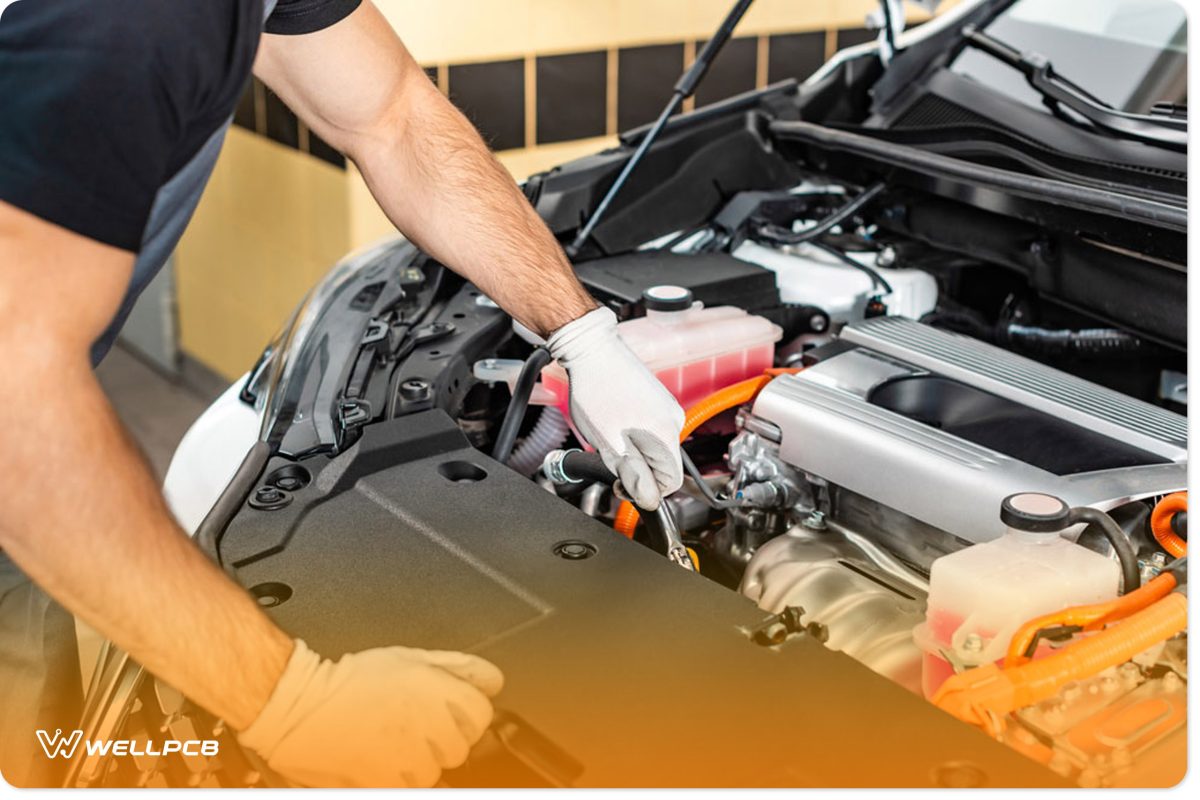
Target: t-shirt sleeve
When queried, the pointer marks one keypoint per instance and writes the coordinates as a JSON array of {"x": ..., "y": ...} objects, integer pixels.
[
  {"x": 87, "y": 127},
  {"x": 293, "y": 17}
]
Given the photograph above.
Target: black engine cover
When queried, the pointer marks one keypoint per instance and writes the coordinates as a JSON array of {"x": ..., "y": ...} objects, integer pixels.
[{"x": 622, "y": 669}]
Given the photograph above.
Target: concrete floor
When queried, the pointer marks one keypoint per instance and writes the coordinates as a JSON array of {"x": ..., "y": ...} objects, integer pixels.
[{"x": 156, "y": 408}]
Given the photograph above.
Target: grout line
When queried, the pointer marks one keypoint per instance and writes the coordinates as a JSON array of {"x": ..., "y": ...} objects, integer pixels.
[
  {"x": 689, "y": 55},
  {"x": 610, "y": 92},
  {"x": 302, "y": 138},
  {"x": 763, "y": 61},
  {"x": 443, "y": 78},
  {"x": 530, "y": 100},
  {"x": 830, "y": 42},
  {"x": 260, "y": 107}
]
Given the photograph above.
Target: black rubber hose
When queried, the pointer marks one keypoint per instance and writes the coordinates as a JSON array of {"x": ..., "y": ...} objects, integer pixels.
[
  {"x": 1131, "y": 576},
  {"x": 876, "y": 278},
  {"x": 579, "y": 466},
  {"x": 710, "y": 497},
  {"x": 517, "y": 406},
  {"x": 1088, "y": 342},
  {"x": 777, "y": 235}
]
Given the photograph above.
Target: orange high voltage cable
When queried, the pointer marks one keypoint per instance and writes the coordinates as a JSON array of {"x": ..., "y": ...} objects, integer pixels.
[
  {"x": 716, "y": 403},
  {"x": 1087, "y": 618},
  {"x": 984, "y": 694},
  {"x": 1160, "y": 523}
]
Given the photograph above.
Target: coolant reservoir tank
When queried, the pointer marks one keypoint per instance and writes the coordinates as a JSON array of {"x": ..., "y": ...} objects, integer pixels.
[
  {"x": 979, "y": 596},
  {"x": 693, "y": 350}
]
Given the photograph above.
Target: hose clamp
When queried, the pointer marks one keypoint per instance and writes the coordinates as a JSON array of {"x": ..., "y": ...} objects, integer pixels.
[{"x": 552, "y": 466}]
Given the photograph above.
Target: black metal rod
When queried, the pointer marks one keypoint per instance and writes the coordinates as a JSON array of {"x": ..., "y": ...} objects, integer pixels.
[{"x": 684, "y": 88}]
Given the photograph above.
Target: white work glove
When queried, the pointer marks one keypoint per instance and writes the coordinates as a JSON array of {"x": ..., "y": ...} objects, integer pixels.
[
  {"x": 389, "y": 717},
  {"x": 620, "y": 407}
]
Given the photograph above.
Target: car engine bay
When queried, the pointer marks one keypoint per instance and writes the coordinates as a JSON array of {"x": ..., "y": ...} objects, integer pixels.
[{"x": 923, "y": 448}]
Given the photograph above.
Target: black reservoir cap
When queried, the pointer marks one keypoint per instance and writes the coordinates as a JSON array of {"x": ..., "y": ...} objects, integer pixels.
[
  {"x": 667, "y": 298},
  {"x": 1035, "y": 512}
]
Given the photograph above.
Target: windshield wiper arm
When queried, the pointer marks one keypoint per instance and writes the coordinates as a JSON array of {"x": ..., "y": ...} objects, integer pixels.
[{"x": 1167, "y": 131}]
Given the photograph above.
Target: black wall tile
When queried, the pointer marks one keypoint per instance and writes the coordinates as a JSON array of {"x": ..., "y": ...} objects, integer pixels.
[
  {"x": 848, "y": 37},
  {"x": 795, "y": 55},
  {"x": 431, "y": 73},
  {"x": 732, "y": 72},
  {"x": 323, "y": 150},
  {"x": 243, "y": 115},
  {"x": 492, "y": 95},
  {"x": 572, "y": 92},
  {"x": 282, "y": 126},
  {"x": 645, "y": 76}
]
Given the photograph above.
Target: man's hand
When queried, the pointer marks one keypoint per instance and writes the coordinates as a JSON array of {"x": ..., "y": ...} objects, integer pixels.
[
  {"x": 620, "y": 407},
  {"x": 388, "y": 717}
]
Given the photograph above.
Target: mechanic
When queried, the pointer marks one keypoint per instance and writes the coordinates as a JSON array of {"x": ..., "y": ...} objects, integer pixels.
[{"x": 113, "y": 116}]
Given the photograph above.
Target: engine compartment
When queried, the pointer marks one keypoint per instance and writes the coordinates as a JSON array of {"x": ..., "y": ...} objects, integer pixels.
[
  {"x": 895, "y": 417},
  {"x": 863, "y": 397}
]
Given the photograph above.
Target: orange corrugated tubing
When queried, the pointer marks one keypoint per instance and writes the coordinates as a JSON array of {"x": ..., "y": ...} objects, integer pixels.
[
  {"x": 716, "y": 403},
  {"x": 1160, "y": 523},
  {"x": 1089, "y": 617},
  {"x": 982, "y": 694}
]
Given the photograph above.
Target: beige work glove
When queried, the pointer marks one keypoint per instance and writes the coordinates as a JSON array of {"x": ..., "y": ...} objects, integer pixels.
[
  {"x": 389, "y": 717},
  {"x": 620, "y": 407}
]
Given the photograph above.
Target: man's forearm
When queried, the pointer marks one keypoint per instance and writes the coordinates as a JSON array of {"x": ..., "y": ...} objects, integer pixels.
[
  {"x": 438, "y": 183},
  {"x": 82, "y": 516}
]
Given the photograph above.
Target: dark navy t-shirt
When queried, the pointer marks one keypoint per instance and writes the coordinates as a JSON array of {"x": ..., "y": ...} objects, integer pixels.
[{"x": 112, "y": 112}]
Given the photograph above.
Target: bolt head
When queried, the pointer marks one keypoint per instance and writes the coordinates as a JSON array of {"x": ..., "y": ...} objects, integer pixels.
[
  {"x": 815, "y": 521},
  {"x": 574, "y": 550},
  {"x": 414, "y": 389},
  {"x": 269, "y": 498}
]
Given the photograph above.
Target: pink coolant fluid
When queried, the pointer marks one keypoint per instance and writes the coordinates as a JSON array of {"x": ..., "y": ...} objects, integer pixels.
[{"x": 693, "y": 350}]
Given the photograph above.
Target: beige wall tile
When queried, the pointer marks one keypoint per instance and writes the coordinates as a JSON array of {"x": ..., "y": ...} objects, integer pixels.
[
  {"x": 481, "y": 30},
  {"x": 271, "y": 223},
  {"x": 274, "y": 220}
]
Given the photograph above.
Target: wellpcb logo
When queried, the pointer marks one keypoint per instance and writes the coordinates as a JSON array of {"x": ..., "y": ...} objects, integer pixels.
[{"x": 57, "y": 745}]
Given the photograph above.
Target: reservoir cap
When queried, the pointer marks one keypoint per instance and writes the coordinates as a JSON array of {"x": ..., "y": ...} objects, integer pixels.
[
  {"x": 1035, "y": 512},
  {"x": 667, "y": 298}
]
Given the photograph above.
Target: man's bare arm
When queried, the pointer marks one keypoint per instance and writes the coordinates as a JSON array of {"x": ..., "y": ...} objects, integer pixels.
[
  {"x": 358, "y": 87},
  {"x": 79, "y": 510}
]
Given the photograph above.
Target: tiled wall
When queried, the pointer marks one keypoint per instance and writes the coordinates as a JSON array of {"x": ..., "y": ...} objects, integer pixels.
[
  {"x": 543, "y": 99},
  {"x": 545, "y": 81}
]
